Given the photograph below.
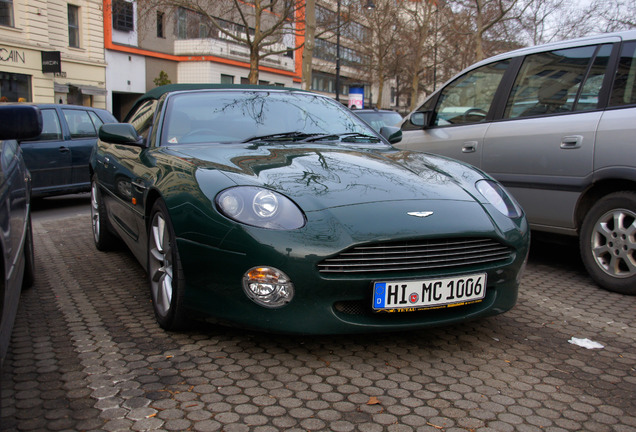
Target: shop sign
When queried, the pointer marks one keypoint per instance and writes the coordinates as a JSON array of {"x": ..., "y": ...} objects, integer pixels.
[
  {"x": 51, "y": 62},
  {"x": 12, "y": 56}
]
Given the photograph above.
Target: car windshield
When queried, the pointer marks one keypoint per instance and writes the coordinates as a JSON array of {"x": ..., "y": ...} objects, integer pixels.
[
  {"x": 379, "y": 119},
  {"x": 243, "y": 116}
]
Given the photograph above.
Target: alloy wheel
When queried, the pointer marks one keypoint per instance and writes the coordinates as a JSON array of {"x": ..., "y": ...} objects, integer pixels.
[
  {"x": 160, "y": 265},
  {"x": 614, "y": 243}
]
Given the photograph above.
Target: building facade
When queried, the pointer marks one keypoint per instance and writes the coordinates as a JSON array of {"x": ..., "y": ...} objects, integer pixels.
[
  {"x": 106, "y": 53},
  {"x": 52, "y": 51}
]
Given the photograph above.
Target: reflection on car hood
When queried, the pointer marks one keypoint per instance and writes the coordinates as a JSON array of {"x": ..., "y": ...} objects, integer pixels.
[{"x": 323, "y": 176}]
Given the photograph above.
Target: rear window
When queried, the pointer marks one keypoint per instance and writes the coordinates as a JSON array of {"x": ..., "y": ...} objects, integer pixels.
[
  {"x": 80, "y": 124},
  {"x": 624, "y": 91},
  {"x": 551, "y": 82}
]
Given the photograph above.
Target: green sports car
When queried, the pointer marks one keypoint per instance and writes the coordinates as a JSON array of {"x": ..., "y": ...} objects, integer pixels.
[{"x": 278, "y": 209}]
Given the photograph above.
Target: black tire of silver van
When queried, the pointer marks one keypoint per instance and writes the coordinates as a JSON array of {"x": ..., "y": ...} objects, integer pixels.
[{"x": 608, "y": 242}]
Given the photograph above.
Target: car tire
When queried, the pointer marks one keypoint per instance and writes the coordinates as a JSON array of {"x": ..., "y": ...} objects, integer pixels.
[
  {"x": 608, "y": 242},
  {"x": 29, "y": 257},
  {"x": 103, "y": 237},
  {"x": 165, "y": 274}
]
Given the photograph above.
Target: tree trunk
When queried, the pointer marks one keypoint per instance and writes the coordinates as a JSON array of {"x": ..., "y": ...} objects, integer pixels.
[{"x": 308, "y": 49}]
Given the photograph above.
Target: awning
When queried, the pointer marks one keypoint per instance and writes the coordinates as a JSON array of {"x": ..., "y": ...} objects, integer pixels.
[
  {"x": 92, "y": 90},
  {"x": 60, "y": 88},
  {"x": 84, "y": 89}
]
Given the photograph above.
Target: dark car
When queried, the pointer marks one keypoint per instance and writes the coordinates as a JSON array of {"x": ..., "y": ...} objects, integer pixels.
[
  {"x": 16, "y": 241},
  {"x": 279, "y": 209},
  {"x": 379, "y": 118},
  {"x": 58, "y": 157}
]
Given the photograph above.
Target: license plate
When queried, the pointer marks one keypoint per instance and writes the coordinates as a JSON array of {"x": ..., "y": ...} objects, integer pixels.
[{"x": 402, "y": 296}]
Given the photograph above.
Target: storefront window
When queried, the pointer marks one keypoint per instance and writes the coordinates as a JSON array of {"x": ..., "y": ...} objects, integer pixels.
[
  {"x": 15, "y": 87},
  {"x": 6, "y": 13}
]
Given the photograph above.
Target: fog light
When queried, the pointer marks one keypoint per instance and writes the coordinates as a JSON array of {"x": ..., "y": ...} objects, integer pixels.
[{"x": 268, "y": 287}]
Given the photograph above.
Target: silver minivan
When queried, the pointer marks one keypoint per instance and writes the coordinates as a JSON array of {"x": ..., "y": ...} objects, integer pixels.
[{"x": 556, "y": 124}]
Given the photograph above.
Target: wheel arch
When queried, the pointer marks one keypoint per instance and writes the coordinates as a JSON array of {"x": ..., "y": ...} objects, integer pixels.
[{"x": 596, "y": 192}]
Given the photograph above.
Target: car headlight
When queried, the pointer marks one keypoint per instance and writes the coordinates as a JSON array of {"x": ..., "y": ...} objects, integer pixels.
[
  {"x": 260, "y": 207},
  {"x": 499, "y": 198}
]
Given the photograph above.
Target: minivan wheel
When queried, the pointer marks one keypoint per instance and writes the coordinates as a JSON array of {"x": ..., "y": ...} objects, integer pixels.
[{"x": 608, "y": 242}]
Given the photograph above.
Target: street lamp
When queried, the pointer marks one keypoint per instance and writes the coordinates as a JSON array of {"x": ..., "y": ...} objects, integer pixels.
[{"x": 369, "y": 5}]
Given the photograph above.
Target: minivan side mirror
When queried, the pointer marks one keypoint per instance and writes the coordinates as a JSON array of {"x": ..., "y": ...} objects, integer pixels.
[
  {"x": 421, "y": 118},
  {"x": 20, "y": 122},
  {"x": 120, "y": 133},
  {"x": 391, "y": 133}
]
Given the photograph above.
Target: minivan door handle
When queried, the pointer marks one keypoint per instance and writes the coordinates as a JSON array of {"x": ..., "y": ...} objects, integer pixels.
[
  {"x": 469, "y": 147},
  {"x": 571, "y": 142}
]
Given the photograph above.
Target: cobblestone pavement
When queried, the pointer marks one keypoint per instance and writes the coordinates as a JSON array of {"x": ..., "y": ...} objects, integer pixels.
[{"x": 86, "y": 354}]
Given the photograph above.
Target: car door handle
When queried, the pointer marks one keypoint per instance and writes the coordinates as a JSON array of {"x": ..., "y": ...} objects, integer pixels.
[
  {"x": 469, "y": 147},
  {"x": 140, "y": 186},
  {"x": 571, "y": 142},
  {"x": 64, "y": 149}
]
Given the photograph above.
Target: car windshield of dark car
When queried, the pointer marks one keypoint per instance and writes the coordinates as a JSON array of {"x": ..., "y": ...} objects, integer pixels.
[
  {"x": 378, "y": 119},
  {"x": 241, "y": 116}
]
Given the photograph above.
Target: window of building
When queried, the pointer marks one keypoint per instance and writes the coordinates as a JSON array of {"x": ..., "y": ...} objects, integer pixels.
[
  {"x": 160, "y": 23},
  {"x": 227, "y": 79},
  {"x": 6, "y": 13},
  {"x": 123, "y": 16},
  {"x": 73, "y": 26},
  {"x": 14, "y": 87}
]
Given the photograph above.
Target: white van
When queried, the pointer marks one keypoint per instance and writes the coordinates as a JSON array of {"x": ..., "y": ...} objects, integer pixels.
[{"x": 556, "y": 124}]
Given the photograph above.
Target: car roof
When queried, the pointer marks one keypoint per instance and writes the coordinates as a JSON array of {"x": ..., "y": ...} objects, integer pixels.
[
  {"x": 570, "y": 43},
  {"x": 55, "y": 105},
  {"x": 157, "y": 92}
]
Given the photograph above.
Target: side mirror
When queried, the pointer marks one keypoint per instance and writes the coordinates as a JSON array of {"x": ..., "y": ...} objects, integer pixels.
[
  {"x": 391, "y": 133},
  {"x": 120, "y": 133},
  {"x": 20, "y": 122},
  {"x": 421, "y": 118}
]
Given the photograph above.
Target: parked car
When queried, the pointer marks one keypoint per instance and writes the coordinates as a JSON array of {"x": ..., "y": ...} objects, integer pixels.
[
  {"x": 16, "y": 241},
  {"x": 378, "y": 118},
  {"x": 278, "y": 209},
  {"x": 58, "y": 157},
  {"x": 554, "y": 124}
]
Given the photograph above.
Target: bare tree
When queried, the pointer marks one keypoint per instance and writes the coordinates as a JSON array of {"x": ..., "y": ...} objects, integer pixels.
[
  {"x": 379, "y": 42},
  {"x": 482, "y": 18},
  {"x": 261, "y": 25}
]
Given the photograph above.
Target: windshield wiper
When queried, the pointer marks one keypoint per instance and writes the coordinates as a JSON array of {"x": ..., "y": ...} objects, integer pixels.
[
  {"x": 347, "y": 137},
  {"x": 287, "y": 136}
]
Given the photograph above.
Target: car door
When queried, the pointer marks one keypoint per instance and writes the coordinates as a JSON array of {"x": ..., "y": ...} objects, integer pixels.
[
  {"x": 543, "y": 149},
  {"x": 459, "y": 116},
  {"x": 118, "y": 173},
  {"x": 48, "y": 156},
  {"x": 83, "y": 135}
]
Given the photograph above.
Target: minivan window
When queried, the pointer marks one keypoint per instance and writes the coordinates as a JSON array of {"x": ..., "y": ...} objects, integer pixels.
[
  {"x": 468, "y": 99},
  {"x": 624, "y": 92},
  {"x": 549, "y": 82}
]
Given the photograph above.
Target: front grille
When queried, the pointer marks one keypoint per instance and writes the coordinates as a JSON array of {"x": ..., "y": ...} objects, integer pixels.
[{"x": 416, "y": 256}]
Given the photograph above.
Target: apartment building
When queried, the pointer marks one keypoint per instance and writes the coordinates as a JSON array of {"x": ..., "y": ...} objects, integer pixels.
[{"x": 52, "y": 51}]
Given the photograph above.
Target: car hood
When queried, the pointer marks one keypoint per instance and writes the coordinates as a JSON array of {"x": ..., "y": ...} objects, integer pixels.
[{"x": 324, "y": 176}]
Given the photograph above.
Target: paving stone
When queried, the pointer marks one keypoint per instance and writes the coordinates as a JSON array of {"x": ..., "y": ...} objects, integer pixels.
[{"x": 86, "y": 354}]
